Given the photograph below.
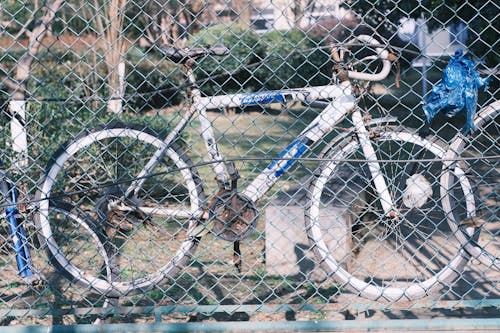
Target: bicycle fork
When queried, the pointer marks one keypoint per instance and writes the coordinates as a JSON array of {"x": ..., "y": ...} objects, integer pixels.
[
  {"x": 373, "y": 165},
  {"x": 16, "y": 230}
]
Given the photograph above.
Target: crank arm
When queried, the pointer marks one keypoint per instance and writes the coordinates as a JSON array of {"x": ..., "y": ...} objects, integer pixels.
[{"x": 157, "y": 211}]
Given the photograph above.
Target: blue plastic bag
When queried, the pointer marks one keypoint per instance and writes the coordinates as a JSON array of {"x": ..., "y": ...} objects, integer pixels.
[{"x": 456, "y": 91}]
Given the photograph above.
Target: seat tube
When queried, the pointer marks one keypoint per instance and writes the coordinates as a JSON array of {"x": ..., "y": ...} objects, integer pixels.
[
  {"x": 207, "y": 132},
  {"x": 373, "y": 164}
]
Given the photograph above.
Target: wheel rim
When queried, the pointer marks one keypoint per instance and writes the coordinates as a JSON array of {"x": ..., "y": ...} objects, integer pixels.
[
  {"x": 475, "y": 227},
  {"x": 358, "y": 279},
  {"x": 137, "y": 281}
]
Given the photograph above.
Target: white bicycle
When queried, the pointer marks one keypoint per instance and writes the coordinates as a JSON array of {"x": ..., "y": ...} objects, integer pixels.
[{"x": 148, "y": 198}]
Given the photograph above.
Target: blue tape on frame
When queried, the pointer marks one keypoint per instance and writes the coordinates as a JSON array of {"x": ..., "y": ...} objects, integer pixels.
[{"x": 294, "y": 150}]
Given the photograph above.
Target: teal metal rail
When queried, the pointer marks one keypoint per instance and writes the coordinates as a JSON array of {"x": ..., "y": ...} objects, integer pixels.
[{"x": 283, "y": 326}]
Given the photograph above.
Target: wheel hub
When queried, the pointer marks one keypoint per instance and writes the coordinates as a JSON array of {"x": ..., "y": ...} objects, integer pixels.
[{"x": 117, "y": 213}]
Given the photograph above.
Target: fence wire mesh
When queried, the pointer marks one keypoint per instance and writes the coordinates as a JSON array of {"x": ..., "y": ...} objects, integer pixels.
[{"x": 124, "y": 214}]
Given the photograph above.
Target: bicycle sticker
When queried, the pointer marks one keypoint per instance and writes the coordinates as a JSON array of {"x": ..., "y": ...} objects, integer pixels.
[{"x": 259, "y": 98}]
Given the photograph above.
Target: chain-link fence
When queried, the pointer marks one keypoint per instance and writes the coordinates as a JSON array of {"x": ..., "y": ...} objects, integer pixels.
[{"x": 302, "y": 192}]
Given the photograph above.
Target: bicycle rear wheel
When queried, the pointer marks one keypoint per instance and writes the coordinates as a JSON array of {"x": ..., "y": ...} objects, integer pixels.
[
  {"x": 478, "y": 229},
  {"x": 85, "y": 250},
  {"x": 144, "y": 234},
  {"x": 403, "y": 257}
]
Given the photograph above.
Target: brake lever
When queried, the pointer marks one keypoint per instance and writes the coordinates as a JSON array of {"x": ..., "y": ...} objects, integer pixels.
[{"x": 338, "y": 66}]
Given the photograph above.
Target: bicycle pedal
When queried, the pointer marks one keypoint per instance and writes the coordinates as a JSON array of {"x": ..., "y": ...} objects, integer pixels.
[
  {"x": 125, "y": 226},
  {"x": 126, "y": 222}
]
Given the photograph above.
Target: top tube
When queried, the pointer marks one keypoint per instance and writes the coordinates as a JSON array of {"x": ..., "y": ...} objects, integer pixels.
[{"x": 307, "y": 94}]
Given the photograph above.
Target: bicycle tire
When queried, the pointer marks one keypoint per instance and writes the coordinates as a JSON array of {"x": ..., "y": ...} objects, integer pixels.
[
  {"x": 91, "y": 171},
  {"x": 478, "y": 239},
  {"x": 61, "y": 211},
  {"x": 383, "y": 259}
]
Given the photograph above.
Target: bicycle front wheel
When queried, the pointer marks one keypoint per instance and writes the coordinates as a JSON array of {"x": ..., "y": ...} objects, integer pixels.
[
  {"x": 145, "y": 232},
  {"x": 400, "y": 256}
]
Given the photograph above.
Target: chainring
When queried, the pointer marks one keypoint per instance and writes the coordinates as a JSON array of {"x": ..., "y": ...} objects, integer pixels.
[{"x": 233, "y": 215}]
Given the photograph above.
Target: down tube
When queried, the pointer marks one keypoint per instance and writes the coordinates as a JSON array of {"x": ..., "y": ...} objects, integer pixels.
[{"x": 319, "y": 127}]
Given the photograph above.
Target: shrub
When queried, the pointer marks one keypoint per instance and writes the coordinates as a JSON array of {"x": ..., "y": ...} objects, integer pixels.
[
  {"x": 278, "y": 59},
  {"x": 151, "y": 82},
  {"x": 293, "y": 59},
  {"x": 67, "y": 96},
  {"x": 228, "y": 73}
]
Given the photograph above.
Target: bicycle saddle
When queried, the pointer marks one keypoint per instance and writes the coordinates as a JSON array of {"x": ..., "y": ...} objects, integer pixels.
[{"x": 181, "y": 56}]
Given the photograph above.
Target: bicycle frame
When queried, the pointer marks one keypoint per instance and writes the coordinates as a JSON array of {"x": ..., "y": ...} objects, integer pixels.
[{"x": 342, "y": 103}]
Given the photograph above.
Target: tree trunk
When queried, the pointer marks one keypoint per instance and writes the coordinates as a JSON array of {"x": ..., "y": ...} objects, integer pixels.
[
  {"x": 244, "y": 10},
  {"x": 115, "y": 103},
  {"x": 115, "y": 48},
  {"x": 23, "y": 70}
]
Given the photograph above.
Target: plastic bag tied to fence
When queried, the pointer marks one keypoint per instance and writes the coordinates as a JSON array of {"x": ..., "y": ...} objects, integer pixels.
[{"x": 456, "y": 91}]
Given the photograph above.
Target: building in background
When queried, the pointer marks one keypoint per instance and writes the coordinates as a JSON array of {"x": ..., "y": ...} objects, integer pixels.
[{"x": 288, "y": 14}]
